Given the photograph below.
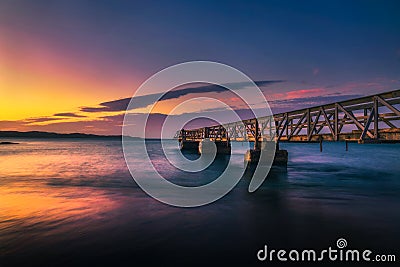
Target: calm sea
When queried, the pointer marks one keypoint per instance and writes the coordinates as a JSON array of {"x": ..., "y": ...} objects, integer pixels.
[{"x": 73, "y": 202}]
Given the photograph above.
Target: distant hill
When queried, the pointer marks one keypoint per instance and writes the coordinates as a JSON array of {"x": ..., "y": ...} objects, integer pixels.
[{"x": 36, "y": 134}]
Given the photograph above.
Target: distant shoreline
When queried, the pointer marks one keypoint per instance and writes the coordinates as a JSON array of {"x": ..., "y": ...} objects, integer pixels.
[{"x": 37, "y": 134}]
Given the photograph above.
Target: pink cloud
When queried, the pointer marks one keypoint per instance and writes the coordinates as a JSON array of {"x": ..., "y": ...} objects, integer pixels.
[{"x": 304, "y": 93}]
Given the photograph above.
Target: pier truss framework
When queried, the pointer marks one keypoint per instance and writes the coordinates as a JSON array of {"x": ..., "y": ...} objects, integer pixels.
[{"x": 372, "y": 118}]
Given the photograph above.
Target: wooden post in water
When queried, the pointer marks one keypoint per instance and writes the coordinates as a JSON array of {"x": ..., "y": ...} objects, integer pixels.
[
  {"x": 320, "y": 144},
  {"x": 347, "y": 145}
]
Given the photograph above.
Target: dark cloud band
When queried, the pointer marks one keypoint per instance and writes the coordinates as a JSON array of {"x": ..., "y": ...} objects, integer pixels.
[{"x": 145, "y": 100}]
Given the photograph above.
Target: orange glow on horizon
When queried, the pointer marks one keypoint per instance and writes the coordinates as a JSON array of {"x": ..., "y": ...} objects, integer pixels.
[{"x": 41, "y": 79}]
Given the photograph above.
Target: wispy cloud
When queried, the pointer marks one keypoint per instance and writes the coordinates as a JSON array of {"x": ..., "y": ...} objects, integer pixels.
[
  {"x": 285, "y": 105},
  {"x": 145, "y": 100},
  {"x": 304, "y": 92},
  {"x": 69, "y": 114},
  {"x": 281, "y": 97},
  {"x": 40, "y": 120}
]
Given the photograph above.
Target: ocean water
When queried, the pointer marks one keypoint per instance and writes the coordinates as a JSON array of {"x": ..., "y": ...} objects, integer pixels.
[{"x": 73, "y": 202}]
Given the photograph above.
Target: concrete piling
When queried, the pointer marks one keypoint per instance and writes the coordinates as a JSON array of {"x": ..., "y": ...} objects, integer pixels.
[{"x": 264, "y": 152}]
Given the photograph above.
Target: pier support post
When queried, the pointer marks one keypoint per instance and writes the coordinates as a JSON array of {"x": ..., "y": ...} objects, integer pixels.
[
  {"x": 191, "y": 146},
  {"x": 187, "y": 145},
  {"x": 320, "y": 144},
  {"x": 280, "y": 157},
  {"x": 223, "y": 147}
]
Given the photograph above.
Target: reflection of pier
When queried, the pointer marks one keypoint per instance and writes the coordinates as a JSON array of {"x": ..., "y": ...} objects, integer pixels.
[{"x": 370, "y": 119}]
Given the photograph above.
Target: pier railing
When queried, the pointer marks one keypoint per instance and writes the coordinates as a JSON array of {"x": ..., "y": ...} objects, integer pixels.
[{"x": 372, "y": 118}]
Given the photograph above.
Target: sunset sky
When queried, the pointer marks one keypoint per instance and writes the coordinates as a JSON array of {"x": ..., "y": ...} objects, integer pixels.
[{"x": 71, "y": 66}]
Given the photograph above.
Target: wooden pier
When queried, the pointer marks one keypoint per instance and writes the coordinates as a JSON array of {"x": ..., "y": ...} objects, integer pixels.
[{"x": 370, "y": 119}]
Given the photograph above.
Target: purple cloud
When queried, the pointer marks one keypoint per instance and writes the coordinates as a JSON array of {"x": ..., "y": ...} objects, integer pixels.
[{"x": 145, "y": 100}]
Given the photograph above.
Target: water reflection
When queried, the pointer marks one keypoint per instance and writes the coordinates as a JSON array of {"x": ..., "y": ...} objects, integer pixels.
[{"x": 75, "y": 201}]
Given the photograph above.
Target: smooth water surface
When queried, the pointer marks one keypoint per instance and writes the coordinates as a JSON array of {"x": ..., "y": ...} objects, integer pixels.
[{"x": 73, "y": 202}]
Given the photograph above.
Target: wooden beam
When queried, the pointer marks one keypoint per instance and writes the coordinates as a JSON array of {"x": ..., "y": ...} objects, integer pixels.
[
  {"x": 336, "y": 123},
  {"x": 327, "y": 121},
  {"x": 281, "y": 121},
  {"x": 297, "y": 125},
  {"x": 376, "y": 118},
  {"x": 393, "y": 109},
  {"x": 313, "y": 126},
  {"x": 388, "y": 123},
  {"x": 356, "y": 122},
  {"x": 308, "y": 121},
  {"x": 283, "y": 129},
  {"x": 371, "y": 115},
  {"x": 342, "y": 122}
]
